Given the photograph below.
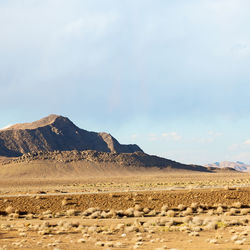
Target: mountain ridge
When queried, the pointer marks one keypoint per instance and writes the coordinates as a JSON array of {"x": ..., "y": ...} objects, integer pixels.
[
  {"x": 56, "y": 132},
  {"x": 238, "y": 165},
  {"x": 94, "y": 160},
  {"x": 55, "y": 142},
  {"x": 33, "y": 125}
]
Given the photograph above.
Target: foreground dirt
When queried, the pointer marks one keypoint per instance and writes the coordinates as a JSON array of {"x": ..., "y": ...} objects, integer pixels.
[
  {"x": 142, "y": 233},
  {"x": 124, "y": 200},
  {"x": 187, "y": 219},
  {"x": 105, "y": 181},
  {"x": 171, "y": 211}
]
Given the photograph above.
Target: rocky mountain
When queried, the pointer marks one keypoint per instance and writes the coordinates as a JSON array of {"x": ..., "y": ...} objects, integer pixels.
[
  {"x": 56, "y": 133},
  {"x": 239, "y": 166},
  {"x": 56, "y": 141}
]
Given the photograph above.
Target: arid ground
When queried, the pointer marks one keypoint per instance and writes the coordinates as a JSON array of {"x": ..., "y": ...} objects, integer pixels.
[{"x": 173, "y": 210}]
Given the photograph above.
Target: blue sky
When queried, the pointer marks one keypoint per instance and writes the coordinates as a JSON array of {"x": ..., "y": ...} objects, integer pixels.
[{"x": 171, "y": 76}]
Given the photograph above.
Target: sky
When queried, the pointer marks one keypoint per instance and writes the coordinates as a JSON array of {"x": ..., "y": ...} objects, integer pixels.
[{"x": 170, "y": 76}]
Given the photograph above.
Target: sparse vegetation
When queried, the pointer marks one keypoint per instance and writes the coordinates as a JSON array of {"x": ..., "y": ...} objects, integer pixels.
[{"x": 126, "y": 220}]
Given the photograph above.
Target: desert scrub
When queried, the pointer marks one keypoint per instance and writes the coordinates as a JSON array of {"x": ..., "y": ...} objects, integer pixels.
[
  {"x": 188, "y": 211},
  {"x": 138, "y": 207},
  {"x": 194, "y": 205},
  {"x": 64, "y": 202},
  {"x": 129, "y": 212},
  {"x": 10, "y": 210},
  {"x": 71, "y": 212},
  {"x": 138, "y": 213},
  {"x": 197, "y": 221},
  {"x": 181, "y": 207},
  {"x": 244, "y": 211},
  {"x": 164, "y": 208},
  {"x": 221, "y": 224},
  {"x": 170, "y": 213},
  {"x": 219, "y": 210},
  {"x": 237, "y": 205}
]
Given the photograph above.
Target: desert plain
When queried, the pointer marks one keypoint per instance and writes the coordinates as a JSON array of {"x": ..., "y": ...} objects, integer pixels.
[{"x": 134, "y": 210}]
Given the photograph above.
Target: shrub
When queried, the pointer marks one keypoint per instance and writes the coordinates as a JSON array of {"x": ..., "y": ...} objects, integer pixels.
[
  {"x": 10, "y": 210},
  {"x": 170, "y": 213}
]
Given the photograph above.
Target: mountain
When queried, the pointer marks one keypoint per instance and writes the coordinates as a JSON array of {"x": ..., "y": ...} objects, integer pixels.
[
  {"x": 56, "y": 133},
  {"x": 57, "y": 146},
  {"x": 238, "y": 165}
]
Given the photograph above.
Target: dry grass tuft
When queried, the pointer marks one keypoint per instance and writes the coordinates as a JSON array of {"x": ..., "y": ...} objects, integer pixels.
[{"x": 10, "y": 210}]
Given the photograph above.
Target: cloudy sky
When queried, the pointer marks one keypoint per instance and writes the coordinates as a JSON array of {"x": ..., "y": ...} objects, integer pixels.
[{"x": 171, "y": 76}]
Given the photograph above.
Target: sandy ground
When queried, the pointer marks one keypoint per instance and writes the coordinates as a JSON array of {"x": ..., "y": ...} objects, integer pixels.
[
  {"x": 92, "y": 234},
  {"x": 124, "y": 200},
  {"x": 169, "y": 211},
  {"x": 147, "y": 180}
]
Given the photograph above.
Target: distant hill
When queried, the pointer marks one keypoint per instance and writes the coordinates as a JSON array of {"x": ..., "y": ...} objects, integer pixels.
[
  {"x": 239, "y": 166},
  {"x": 56, "y": 133},
  {"x": 61, "y": 164},
  {"x": 137, "y": 159}
]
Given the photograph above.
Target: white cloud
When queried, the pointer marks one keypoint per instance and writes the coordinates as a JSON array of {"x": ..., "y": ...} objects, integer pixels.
[
  {"x": 247, "y": 142},
  {"x": 214, "y": 134},
  {"x": 95, "y": 24},
  {"x": 134, "y": 136},
  {"x": 209, "y": 138},
  {"x": 226, "y": 7},
  {"x": 239, "y": 146},
  {"x": 153, "y": 137},
  {"x": 164, "y": 136},
  {"x": 233, "y": 147},
  {"x": 204, "y": 140},
  {"x": 242, "y": 156},
  {"x": 241, "y": 49},
  {"x": 172, "y": 135},
  {"x": 74, "y": 26}
]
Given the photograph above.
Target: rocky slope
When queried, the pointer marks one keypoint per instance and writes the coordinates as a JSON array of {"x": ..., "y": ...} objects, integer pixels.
[
  {"x": 239, "y": 166},
  {"x": 61, "y": 164},
  {"x": 56, "y": 133},
  {"x": 137, "y": 159}
]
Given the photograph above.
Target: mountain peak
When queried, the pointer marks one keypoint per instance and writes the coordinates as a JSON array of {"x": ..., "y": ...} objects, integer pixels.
[
  {"x": 240, "y": 162},
  {"x": 37, "y": 124},
  {"x": 56, "y": 132}
]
